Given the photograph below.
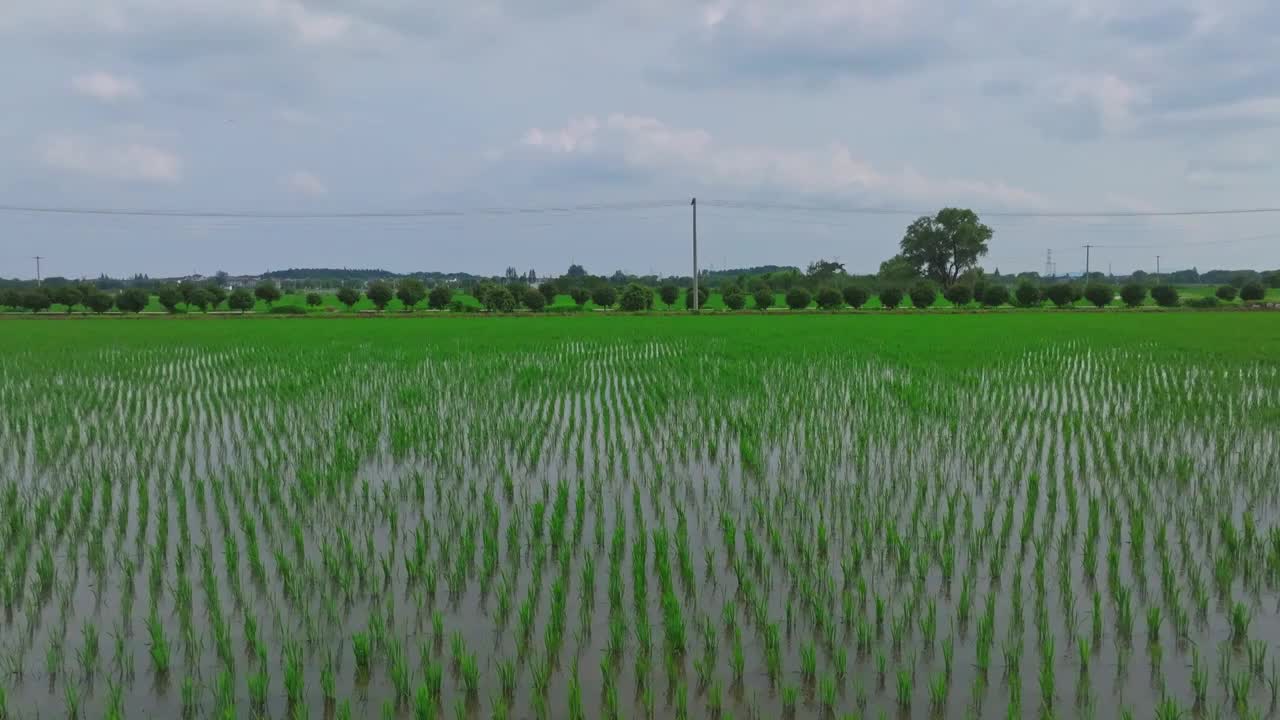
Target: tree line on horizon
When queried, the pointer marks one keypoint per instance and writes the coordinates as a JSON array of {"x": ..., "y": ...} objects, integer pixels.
[{"x": 938, "y": 257}]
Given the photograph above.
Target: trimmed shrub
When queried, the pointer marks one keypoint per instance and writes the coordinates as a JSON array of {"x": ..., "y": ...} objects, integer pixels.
[
  {"x": 1061, "y": 294},
  {"x": 1028, "y": 295},
  {"x": 891, "y": 298},
  {"x": 798, "y": 298},
  {"x": 1133, "y": 294},
  {"x": 995, "y": 295},
  {"x": 1253, "y": 292},
  {"x": 1165, "y": 295},
  {"x": 1100, "y": 294},
  {"x": 704, "y": 294},
  {"x": 855, "y": 296},
  {"x": 923, "y": 295},
  {"x": 959, "y": 295},
  {"x": 764, "y": 298},
  {"x": 830, "y": 298}
]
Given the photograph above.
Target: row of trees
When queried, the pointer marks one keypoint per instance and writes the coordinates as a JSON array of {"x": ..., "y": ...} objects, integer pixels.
[
  {"x": 635, "y": 297},
  {"x": 194, "y": 296}
]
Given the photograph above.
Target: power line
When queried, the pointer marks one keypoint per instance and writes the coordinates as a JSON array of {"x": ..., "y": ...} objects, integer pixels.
[
  {"x": 601, "y": 207},
  {"x": 849, "y": 209},
  {"x": 1206, "y": 243},
  {"x": 355, "y": 215}
]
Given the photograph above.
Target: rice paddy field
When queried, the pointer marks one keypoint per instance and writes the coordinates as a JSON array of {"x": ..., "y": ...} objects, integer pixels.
[{"x": 1004, "y": 515}]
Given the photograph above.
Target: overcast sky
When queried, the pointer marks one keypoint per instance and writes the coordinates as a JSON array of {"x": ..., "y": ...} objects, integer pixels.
[{"x": 362, "y": 105}]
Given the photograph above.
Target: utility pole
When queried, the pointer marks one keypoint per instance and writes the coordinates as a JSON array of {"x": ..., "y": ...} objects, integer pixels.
[
  {"x": 38, "y": 258},
  {"x": 1157, "y": 269},
  {"x": 1087, "y": 248},
  {"x": 694, "y": 203}
]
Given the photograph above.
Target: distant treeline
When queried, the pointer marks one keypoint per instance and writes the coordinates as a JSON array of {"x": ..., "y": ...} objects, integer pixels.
[{"x": 779, "y": 277}]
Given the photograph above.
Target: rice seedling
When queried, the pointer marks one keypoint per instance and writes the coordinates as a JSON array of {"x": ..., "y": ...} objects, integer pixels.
[
  {"x": 470, "y": 674},
  {"x": 189, "y": 699},
  {"x": 1240, "y": 619},
  {"x": 938, "y": 688},
  {"x": 1257, "y": 656},
  {"x": 904, "y": 689},
  {"x": 159, "y": 644},
  {"x": 88, "y": 653},
  {"x": 790, "y": 695},
  {"x": 361, "y": 648},
  {"x": 258, "y": 683},
  {"x": 294, "y": 678},
  {"x": 71, "y": 696}
]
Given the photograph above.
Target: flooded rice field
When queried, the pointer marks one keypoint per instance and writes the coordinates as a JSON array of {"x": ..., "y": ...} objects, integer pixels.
[{"x": 1000, "y": 516}]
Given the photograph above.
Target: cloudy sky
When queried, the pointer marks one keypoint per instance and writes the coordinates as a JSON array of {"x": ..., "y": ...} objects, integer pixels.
[{"x": 778, "y": 110}]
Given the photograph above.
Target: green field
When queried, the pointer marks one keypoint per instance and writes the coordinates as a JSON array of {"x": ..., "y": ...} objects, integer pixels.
[{"x": 877, "y": 515}]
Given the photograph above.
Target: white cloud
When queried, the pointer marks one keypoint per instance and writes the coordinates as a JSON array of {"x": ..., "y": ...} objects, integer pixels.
[
  {"x": 106, "y": 87},
  {"x": 111, "y": 159},
  {"x": 1249, "y": 111},
  {"x": 579, "y": 134},
  {"x": 647, "y": 143},
  {"x": 1112, "y": 99},
  {"x": 808, "y": 43},
  {"x": 305, "y": 183},
  {"x": 302, "y": 21},
  {"x": 294, "y": 117}
]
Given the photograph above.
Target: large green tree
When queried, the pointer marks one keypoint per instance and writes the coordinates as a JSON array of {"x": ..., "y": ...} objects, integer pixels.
[
  {"x": 67, "y": 295},
  {"x": 898, "y": 271},
  {"x": 821, "y": 272},
  {"x": 132, "y": 300},
  {"x": 348, "y": 296},
  {"x": 669, "y": 294},
  {"x": 36, "y": 299},
  {"x": 267, "y": 291},
  {"x": 604, "y": 296},
  {"x": 439, "y": 297},
  {"x": 98, "y": 301},
  {"x": 169, "y": 297},
  {"x": 944, "y": 246},
  {"x": 411, "y": 291},
  {"x": 240, "y": 299},
  {"x": 636, "y": 297},
  {"x": 379, "y": 293}
]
